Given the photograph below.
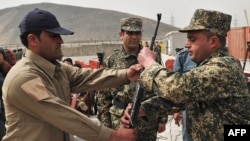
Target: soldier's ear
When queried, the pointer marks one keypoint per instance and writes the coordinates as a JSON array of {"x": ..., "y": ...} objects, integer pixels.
[
  {"x": 214, "y": 41},
  {"x": 121, "y": 34}
]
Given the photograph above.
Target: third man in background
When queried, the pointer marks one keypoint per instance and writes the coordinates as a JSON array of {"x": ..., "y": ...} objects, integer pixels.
[{"x": 112, "y": 102}]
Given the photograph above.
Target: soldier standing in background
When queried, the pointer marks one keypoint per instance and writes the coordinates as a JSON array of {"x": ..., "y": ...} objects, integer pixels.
[{"x": 112, "y": 102}]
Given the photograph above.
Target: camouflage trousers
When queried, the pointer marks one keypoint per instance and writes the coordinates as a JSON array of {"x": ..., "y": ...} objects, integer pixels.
[{"x": 147, "y": 130}]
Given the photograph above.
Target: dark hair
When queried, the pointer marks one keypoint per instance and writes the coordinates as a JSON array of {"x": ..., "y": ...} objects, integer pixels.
[
  {"x": 23, "y": 37},
  {"x": 222, "y": 39},
  {"x": 69, "y": 60}
]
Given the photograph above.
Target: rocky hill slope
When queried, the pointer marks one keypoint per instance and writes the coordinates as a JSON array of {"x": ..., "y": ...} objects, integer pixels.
[{"x": 89, "y": 24}]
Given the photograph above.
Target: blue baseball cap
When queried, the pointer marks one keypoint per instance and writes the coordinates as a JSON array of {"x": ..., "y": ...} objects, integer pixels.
[{"x": 41, "y": 20}]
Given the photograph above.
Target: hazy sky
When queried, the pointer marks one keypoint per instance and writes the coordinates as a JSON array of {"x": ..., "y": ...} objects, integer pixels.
[{"x": 175, "y": 12}]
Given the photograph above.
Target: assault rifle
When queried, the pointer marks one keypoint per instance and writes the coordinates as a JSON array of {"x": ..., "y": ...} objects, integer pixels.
[{"x": 136, "y": 103}]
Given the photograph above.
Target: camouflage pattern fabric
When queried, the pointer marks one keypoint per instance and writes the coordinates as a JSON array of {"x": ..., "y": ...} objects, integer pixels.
[
  {"x": 213, "y": 21},
  {"x": 131, "y": 24},
  {"x": 214, "y": 93},
  {"x": 112, "y": 102}
]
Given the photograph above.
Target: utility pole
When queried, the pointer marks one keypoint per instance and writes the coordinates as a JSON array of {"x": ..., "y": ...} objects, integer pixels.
[
  {"x": 245, "y": 11},
  {"x": 172, "y": 19}
]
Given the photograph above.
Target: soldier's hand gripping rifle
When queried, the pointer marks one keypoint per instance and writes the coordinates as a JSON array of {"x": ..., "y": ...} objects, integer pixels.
[{"x": 136, "y": 103}]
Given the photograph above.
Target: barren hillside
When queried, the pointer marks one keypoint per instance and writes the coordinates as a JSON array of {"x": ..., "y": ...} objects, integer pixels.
[{"x": 87, "y": 23}]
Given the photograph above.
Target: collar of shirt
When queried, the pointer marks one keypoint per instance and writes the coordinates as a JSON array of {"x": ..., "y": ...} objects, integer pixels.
[
  {"x": 221, "y": 52},
  {"x": 43, "y": 64},
  {"x": 126, "y": 55}
]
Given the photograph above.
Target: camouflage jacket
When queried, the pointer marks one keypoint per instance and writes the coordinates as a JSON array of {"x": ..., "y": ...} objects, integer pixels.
[
  {"x": 214, "y": 93},
  {"x": 114, "y": 101}
]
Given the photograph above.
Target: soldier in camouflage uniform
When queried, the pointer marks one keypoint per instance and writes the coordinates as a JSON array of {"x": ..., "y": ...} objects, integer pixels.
[
  {"x": 214, "y": 93},
  {"x": 112, "y": 102}
]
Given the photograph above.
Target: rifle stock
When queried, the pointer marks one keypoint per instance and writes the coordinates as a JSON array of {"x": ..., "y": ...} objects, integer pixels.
[{"x": 136, "y": 103}]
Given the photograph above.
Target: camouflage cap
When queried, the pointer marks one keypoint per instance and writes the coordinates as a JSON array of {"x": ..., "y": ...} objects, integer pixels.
[
  {"x": 213, "y": 21},
  {"x": 131, "y": 24}
]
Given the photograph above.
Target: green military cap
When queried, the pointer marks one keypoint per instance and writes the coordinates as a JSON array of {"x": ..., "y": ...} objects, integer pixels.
[
  {"x": 212, "y": 21},
  {"x": 131, "y": 24}
]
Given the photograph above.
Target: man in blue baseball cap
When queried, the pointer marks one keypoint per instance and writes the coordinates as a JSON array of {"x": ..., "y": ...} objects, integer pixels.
[
  {"x": 37, "y": 90},
  {"x": 41, "y": 20}
]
